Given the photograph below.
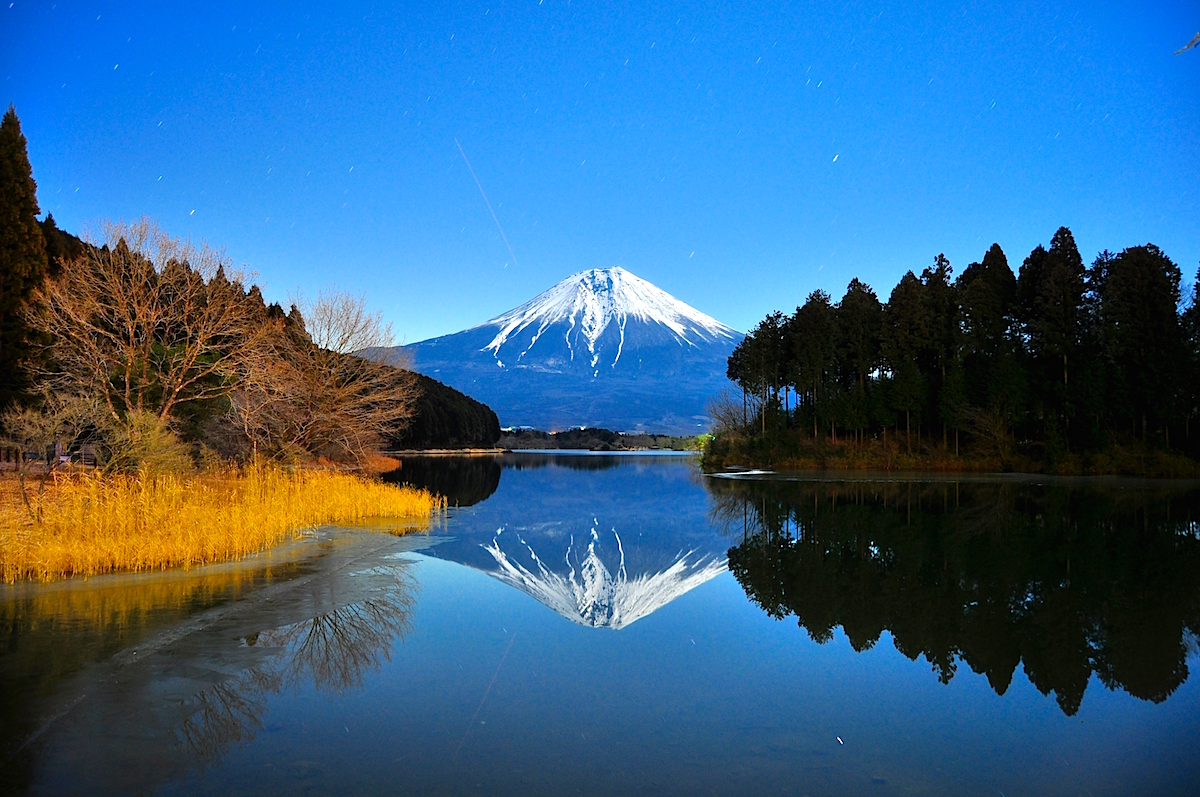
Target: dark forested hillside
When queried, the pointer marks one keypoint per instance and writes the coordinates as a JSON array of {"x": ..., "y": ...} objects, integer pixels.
[
  {"x": 1055, "y": 367},
  {"x": 446, "y": 418}
]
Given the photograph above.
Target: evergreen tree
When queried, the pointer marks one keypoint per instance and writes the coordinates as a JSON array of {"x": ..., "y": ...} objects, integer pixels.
[
  {"x": 941, "y": 350},
  {"x": 1143, "y": 337},
  {"x": 905, "y": 336},
  {"x": 1191, "y": 393},
  {"x": 1055, "y": 360},
  {"x": 859, "y": 318},
  {"x": 22, "y": 258},
  {"x": 987, "y": 291},
  {"x": 60, "y": 246},
  {"x": 1050, "y": 291},
  {"x": 993, "y": 378},
  {"x": 860, "y": 323},
  {"x": 812, "y": 335}
]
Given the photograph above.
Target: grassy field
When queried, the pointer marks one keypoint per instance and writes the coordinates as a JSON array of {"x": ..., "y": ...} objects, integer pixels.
[{"x": 87, "y": 523}]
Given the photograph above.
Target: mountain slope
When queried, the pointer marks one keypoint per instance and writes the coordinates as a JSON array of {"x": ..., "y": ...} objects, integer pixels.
[{"x": 601, "y": 348}]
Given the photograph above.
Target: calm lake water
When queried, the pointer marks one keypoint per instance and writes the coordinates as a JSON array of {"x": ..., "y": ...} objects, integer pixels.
[{"x": 623, "y": 625}]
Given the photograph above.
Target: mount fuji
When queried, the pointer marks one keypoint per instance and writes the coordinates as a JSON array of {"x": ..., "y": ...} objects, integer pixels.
[{"x": 602, "y": 348}]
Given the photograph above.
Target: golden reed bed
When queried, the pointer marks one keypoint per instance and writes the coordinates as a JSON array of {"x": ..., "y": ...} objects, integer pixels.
[{"x": 87, "y": 523}]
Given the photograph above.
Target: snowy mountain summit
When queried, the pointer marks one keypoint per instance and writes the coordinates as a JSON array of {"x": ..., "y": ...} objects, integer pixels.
[
  {"x": 600, "y": 348},
  {"x": 585, "y": 306}
]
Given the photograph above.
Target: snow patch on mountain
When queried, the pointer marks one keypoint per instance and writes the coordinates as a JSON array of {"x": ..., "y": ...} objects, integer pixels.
[
  {"x": 588, "y": 302},
  {"x": 590, "y": 594}
]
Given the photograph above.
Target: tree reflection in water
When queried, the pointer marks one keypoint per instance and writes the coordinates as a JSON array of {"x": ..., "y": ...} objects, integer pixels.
[
  {"x": 332, "y": 651},
  {"x": 469, "y": 480},
  {"x": 462, "y": 481},
  {"x": 1069, "y": 580}
]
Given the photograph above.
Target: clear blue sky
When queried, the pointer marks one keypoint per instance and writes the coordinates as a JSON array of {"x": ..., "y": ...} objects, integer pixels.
[{"x": 737, "y": 155}]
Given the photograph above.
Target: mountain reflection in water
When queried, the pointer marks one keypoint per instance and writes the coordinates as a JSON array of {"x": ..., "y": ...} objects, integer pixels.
[
  {"x": 602, "y": 552},
  {"x": 591, "y": 592},
  {"x": 1068, "y": 579}
]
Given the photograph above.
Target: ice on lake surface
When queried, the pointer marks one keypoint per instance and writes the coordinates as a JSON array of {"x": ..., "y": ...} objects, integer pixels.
[{"x": 625, "y": 625}]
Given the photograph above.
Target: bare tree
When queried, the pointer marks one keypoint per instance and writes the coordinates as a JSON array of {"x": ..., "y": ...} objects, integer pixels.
[
  {"x": 160, "y": 330},
  {"x": 309, "y": 389},
  {"x": 59, "y": 423},
  {"x": 728, "y": 413},
  {"x": 147, "y": 322}
]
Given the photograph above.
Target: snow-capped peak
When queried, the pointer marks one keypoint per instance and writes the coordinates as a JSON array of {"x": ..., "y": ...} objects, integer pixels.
[{"x": 589, "y": 301}]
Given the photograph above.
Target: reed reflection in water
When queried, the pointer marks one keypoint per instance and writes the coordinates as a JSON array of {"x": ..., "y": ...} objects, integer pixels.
[
  {"x": 104, "y": 683},
  {"x": 1069, "y": 580}
]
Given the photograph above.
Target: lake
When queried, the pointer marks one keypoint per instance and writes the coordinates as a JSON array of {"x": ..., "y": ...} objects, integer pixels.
[{"x": 622, "y": 624}]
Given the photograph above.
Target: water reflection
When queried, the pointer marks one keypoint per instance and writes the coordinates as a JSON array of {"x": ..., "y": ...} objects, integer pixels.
[
  {"x": 1069, "y": 580},
  {"x": 332, "y": 652},
  {"x": 106, "y": 682},
  {"x": 578, "y": 460},
  {"x": 603, "y": 548},
  {"x": 585, "y": 589},
  {"x": 463, "y": 481},
  {"x": 469, "y": 480}
]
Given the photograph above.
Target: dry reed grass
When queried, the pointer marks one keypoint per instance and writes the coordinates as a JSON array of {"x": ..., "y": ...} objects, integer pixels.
[{"x": 87, "y": 523}]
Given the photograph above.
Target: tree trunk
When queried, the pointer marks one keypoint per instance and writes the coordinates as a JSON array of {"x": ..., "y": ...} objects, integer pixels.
[{"x": 762, "y": 410}]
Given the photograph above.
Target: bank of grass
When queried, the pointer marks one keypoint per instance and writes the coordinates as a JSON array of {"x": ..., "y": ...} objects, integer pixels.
[
  {"x": 87, "y": 523},
  {"x": 794, "y": 450}
]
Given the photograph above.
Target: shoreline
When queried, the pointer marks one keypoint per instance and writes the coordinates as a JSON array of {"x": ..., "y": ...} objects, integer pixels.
[
  {"x": 493, "y": 452},
  {"x": 446, "y": 452},
  {"x": 781, "y": 453},
  {"x": 842, "y": 475}
]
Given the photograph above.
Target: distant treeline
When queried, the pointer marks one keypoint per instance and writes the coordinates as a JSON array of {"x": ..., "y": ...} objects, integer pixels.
[
  {"x": 592, "y": 439},
  {"x": 1056, "y": 360}
]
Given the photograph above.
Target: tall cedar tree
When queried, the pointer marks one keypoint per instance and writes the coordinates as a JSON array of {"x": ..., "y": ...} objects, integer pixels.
[
  {"x": 942, "y": 348},
  {"x": 812, "y": 334},
  {"x": 1050, "y": 291},
  {"x": 1143, "y": 338},
  {"x": 905, "y": 336},
  {"x": 860, "y": 320},
  {"x": 994, "y": 378},
  {"x": 859, "y": 317},
  {"x": 1191, "y": 394},
  {"x": 22, "y": 258}
]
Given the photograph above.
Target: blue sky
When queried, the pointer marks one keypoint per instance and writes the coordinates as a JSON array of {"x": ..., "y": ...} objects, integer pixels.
[{"x": 738, "y": 155}]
